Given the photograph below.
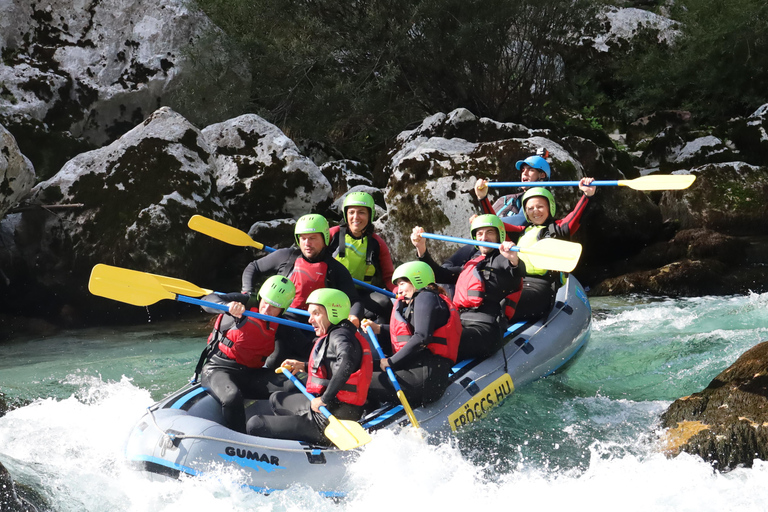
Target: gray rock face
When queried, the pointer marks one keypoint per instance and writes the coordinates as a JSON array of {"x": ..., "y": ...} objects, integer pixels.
[
  {"x": 260, "y": 174},
  {"x": 727, "y": 422},
  {"x": 94, "y": 68},
  {"x": 17, "y": 176}
]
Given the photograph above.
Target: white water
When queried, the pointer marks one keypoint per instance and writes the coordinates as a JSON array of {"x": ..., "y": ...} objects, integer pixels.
[{"x": 583, "y": 440}]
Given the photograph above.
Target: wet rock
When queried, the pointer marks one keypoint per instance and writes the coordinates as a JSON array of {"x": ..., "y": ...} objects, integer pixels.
[
  {"x": 727, "y": 422},
  {"x": 726, "y": 197},
  {"x": 17, "y": 176},
  {"x": 694, "y": 262},
  {"x": 10, "y": 501}
]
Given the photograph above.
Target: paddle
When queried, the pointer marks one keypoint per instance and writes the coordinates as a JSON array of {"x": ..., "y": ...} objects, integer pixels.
[
  {"x": 548, "y": 253},
  {"x": 393, "y": 379},
  {"x": 345, "y": 434},
  {"x": 143, "y": 289},
  {"x": 650, "y": 182},
  {"x": 234, "y": 236}
]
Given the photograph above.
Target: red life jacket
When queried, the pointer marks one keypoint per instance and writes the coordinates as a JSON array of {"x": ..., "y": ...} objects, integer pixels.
[
  {"x": 510, "y": 303},
  {"x": 355, "y": 390},
  {"x": 250, "y": 344},
  {"x": 307, "y": 277},
  {"x": 470, "y": 286},
  {"x": 445, "y": 339}
]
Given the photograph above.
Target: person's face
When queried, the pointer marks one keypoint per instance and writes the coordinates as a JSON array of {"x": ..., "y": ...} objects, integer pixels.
[
  {"x": 268, "y": 309},
  {"x": 311, "y": 244},
  {"x": 405, "y": 289},
  {"x": 358, "y": 218},
  {"x": 537, "y": 210},
  {"x": 528, "y": 173},
  {"x": 487, "y": 234},
  {"x": 318, "y": 319}
]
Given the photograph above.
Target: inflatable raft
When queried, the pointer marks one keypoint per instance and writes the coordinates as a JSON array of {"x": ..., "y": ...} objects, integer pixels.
[{"x": 182, "y": 434}]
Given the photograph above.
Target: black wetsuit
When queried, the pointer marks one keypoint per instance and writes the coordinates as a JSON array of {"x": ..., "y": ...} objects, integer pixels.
[
  {"x": 292, "y": 342},
  {"x": 422, "y": 375},
  {"x": 481, "y": 330},
  {"x": 293, "y": 418}
]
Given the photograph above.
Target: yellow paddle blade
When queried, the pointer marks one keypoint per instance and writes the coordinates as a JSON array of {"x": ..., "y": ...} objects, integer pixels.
[
  {"x": 660, "y": 182},
  {"x": 181, "y": 287},
  {"x": 407, "y": 407},
  {"x": 219, "y": 231},
  {"x": 129, "y": 286},
  {"x": 346, "y": 434},
  {"x": 554, "y": 254}
]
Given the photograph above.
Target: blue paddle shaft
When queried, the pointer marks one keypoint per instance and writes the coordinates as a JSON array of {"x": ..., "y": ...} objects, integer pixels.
[
  {"x": 390, "y": 373},
  {"x": 499, "y": 184},
  {"x": 300, "y": 387},
  {"x": 466, "y": 241},
  {"x": 357, "y": 281},
  {"x": 224, "y": 307}
]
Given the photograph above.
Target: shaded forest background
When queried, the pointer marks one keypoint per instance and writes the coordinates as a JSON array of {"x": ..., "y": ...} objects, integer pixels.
[{"x": 354, "y": 74}]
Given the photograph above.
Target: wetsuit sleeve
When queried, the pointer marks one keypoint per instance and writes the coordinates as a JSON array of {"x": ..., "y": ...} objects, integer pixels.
[
  {"x": 429, "y": 313},
  {"x": 225, "y": 298},
  {"x": 447, "y": 273},
  {"x": 568, "y": 225},
  {"x": 349, "y": 357},
  {"x": 486, "y": 205},
  {"x": 385, "y": 263},
  {"x": 269, "y": 264}
]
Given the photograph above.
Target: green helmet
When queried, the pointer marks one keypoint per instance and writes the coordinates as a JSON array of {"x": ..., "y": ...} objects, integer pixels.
[
  {"x": 312, "y": 223},
  {"x": 488, "y": 220},
  {"x": 335, "y": 302},
  {"x": 278, "y": 291},
  {"x": 417, "y": 272},
  {"x": 359, "y": 199},
  {"x": 539, "y": 192}
]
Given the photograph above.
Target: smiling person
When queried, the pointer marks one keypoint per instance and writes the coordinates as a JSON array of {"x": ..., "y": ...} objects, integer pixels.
[
  {"x": 310, "y": 266},
  {"x": 365, "y": 254},
  {"x": 509, "y": 207},
  {"x": 424, "y": 331},
  {"x": 537, "y": 296},
  {"x": 338, "y": 374},
  {"x": 233, "y": 362},
  {"x": 483, "y": 277}
]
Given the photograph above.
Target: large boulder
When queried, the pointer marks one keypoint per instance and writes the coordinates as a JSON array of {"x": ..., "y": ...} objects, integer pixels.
[
  {"x": 134, "y": 198},
  {"x": 727, "y": 422},
  {"x": 17, "y": 176},
  {"x": 750, "y": 136},
  {"x": 260, "y": 173},
  {"x": 93, "y": 71},
  {"x": 432, "y": 171}
]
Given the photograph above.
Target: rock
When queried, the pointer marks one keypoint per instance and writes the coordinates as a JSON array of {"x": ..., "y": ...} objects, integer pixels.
[
  {"x": 432, "y": 172},
  {"x": 17, "y": 176},
  {"x": 640, "y": 132},
  {"x": 750, "y": 136},
  {"x": 726, "y": 197},
  {"x": 621, "y": 25},
  {"x": 694, "y": 262},
  {"x": 727, "y": 422},
  {"x": 10, "y": 501},
  {"x": 260, "y": 173},
  {"x": 137, "y": 195}
]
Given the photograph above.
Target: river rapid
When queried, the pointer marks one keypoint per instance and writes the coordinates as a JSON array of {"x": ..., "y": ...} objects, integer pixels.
[{"x": 585, "y": 438}]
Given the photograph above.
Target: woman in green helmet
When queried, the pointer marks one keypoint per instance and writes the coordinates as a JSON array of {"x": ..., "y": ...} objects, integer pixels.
[
  {"x": 365, "y": 254},
  {"x": 338, "y": 373},
  {"x": 537, "y": 296},
  {"x": 424, "y": 331},
  {"x": 233, "y": 362}
]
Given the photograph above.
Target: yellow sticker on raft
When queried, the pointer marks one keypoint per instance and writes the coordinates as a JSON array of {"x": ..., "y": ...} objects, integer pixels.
[{"x": 480, "y": 404}]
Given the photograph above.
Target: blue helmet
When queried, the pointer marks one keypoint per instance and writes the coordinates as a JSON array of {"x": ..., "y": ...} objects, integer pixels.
[{"x": 536, "y": 162}]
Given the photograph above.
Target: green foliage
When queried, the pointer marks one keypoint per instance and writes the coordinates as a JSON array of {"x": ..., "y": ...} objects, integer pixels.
[{"x": 355, "y": 73}]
